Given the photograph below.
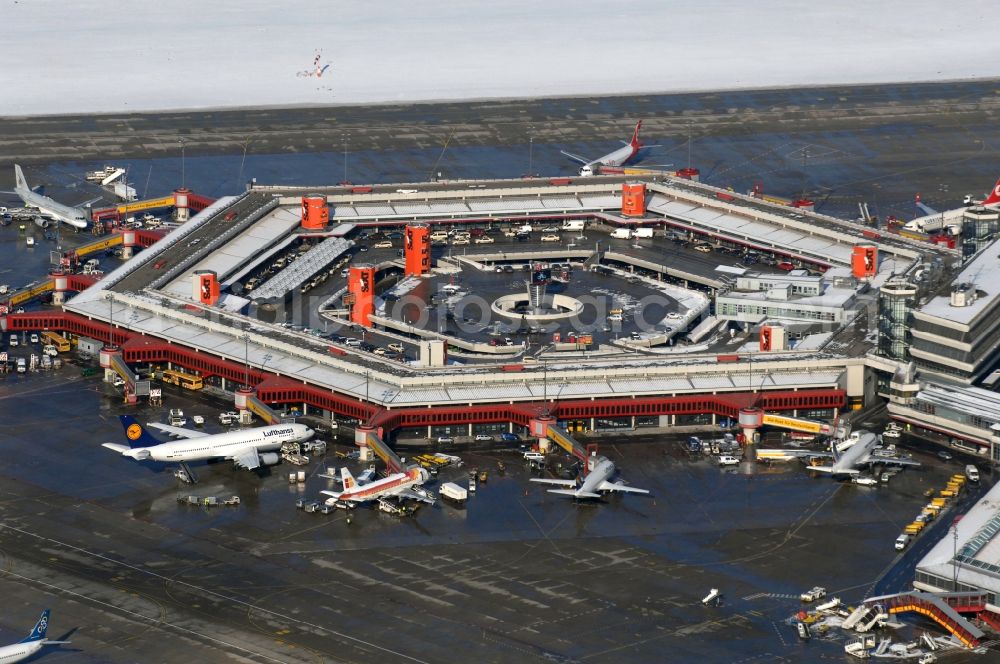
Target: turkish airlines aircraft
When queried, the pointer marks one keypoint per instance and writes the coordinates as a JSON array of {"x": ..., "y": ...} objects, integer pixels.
[
  {"x": 29, "y": 645},
  {"x": 612, "y": 161}
]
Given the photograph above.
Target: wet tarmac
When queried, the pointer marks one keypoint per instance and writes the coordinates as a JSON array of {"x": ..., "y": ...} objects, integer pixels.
[
  {"x": 840, "y": 145},
  {"x": 516, "y": 575}
]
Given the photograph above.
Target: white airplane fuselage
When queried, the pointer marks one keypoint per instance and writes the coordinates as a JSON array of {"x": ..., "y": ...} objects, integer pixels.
[
  {"x": 203, "y": 448},
  {"x": 389, "y": 486},
  {"x": 603, "y": 470},
  {"x": 76, "y": 217},
  {"x": 19, "y": 652},
  {"x": 613, "y": 159}
]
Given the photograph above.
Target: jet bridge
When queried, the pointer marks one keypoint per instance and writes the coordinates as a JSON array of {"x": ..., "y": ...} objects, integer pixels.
[
  {"x": 942, "y": 608},
  {"x": 368, "y": 438}
]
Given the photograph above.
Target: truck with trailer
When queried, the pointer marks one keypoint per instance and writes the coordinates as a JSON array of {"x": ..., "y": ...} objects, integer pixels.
[{"x": 453, "y": 492}]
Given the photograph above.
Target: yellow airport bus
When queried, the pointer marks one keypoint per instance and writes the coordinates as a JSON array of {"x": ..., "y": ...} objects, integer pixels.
[
  {"x": 185, "y": 380},
  {"x": 59, "y": 341}
]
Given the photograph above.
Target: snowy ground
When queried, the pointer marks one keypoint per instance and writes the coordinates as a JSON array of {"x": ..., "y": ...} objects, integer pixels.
[{"x": 88, "y": 56}]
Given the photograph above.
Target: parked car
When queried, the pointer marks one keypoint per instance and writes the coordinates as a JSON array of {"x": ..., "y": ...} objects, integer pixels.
[
  {"x": 383, "y": 244},
  {"x": 485, "y": 239},
  {"x": 445, "y": 440},
  {"x": 510, "y": 438},
  {"x": 946, "y": 455},
  {"x": 704, "y": 248},
  {"x": 396, "y": 346},
  {"x": 550, "y": 238},
  {"x": 483, "y": 437},
  {"x": 460, "y": 241}
]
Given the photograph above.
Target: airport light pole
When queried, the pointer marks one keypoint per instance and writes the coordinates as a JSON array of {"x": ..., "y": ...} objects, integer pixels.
[
  {"x": 182, "y": 163},
  {"x": 246, "y": 359},
  {"x": 531, "y": 151},
  {"x": 345, "y": 157}
]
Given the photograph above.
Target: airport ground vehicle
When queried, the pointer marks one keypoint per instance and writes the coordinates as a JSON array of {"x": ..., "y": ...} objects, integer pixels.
[
  {"x": 621, "y": 233},
  {"x": 59, "y": 341},
  {"x": 534, "y": 456},
  {"x": 814, "y": 594},
  {"x": 902, "y": 541},
  {"x": 34, "y": 338},
  {"x": 454, "y": 492},
  {"x": 728, "y": 460},
  {"x": 183, "y": 379},
  {"x": 972, "y": 473}
]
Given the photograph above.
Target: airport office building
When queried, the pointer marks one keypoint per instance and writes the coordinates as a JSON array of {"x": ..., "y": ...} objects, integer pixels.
[{"x": 944, "y": 348}]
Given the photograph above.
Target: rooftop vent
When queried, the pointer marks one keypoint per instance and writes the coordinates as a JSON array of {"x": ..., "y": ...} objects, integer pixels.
[{"x": 963, "y": 295}]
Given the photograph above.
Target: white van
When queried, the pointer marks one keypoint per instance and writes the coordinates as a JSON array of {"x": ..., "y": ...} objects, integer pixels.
[
  {"x": 727, "y": 460},
  {"x": 972, "y": 473},
  {"x": 902, "y": 541}
]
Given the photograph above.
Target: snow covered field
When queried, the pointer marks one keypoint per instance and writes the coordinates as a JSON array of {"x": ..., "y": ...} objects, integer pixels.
[{"x": 88, "y": 56}]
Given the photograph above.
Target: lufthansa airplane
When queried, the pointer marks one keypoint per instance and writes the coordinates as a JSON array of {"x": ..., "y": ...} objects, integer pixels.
[{"x": 246, "y": 448}]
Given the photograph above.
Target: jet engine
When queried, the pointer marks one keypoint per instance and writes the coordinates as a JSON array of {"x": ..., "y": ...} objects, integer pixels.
[
  {"x": 270, "y": 459},
  {"x": 42, "y": 222}
]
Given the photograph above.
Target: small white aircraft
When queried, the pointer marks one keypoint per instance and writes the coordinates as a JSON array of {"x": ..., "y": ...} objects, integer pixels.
[
  {"x": 398, "y": 484},
  {"x": 861, "y": 453},
  {"x": 596, "y": 481},
  {"x": 48, "y": 208},
  {"x": 28, "y": 646},
  {"x": 246, "y": 448},
  {"x": 611, "y": 162}
]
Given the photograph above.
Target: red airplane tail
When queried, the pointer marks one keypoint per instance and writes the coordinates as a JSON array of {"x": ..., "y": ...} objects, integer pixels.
[
  {"x": 994, "y": 197},
  {"x": 635, "y": 135}
]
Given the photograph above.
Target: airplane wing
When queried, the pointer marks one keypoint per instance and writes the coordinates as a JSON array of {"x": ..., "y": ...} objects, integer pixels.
[
  {"x": 178, "y": 432},
  {"x": 892, "y": 462},
  {"x": 543, "y": 480},
  {"x": 576, "y": 157},
  {"x": 90, "y": 202},
  {"x": 832, "y": 470},
  {"x": 927, "y": 209},
  {"x": 618, "y": 486},
  {"x": 414, "y": 495},
  {"x": 121, "y": 449},
  {"x": 575, "y": 494},
  {"x": 246, "y": 458}
]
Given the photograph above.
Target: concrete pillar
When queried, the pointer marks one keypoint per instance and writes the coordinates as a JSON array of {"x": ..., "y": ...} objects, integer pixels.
[
  {"x": 470, "y": 428},
  {"x": 750, "y": 420}
]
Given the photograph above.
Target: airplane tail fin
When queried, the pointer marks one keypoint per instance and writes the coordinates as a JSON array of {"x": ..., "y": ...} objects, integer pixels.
[
  {"x": 136, "y": 433},
  {"x": 347, "y": 479},
  {"x": 994, "y": 197},
  {"x": 38, "y": 632},
  {"x": 635, "y": 135},
  {"x": 19, "y": 180}
]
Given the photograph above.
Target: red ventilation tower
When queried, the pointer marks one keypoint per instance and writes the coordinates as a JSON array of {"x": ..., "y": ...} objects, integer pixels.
[
  {"x": 417, "y": 244},
  {"x": 315, "y": 213},
  {"x": 361, "y": 288},
  {"x": 633, "y": 199}
]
